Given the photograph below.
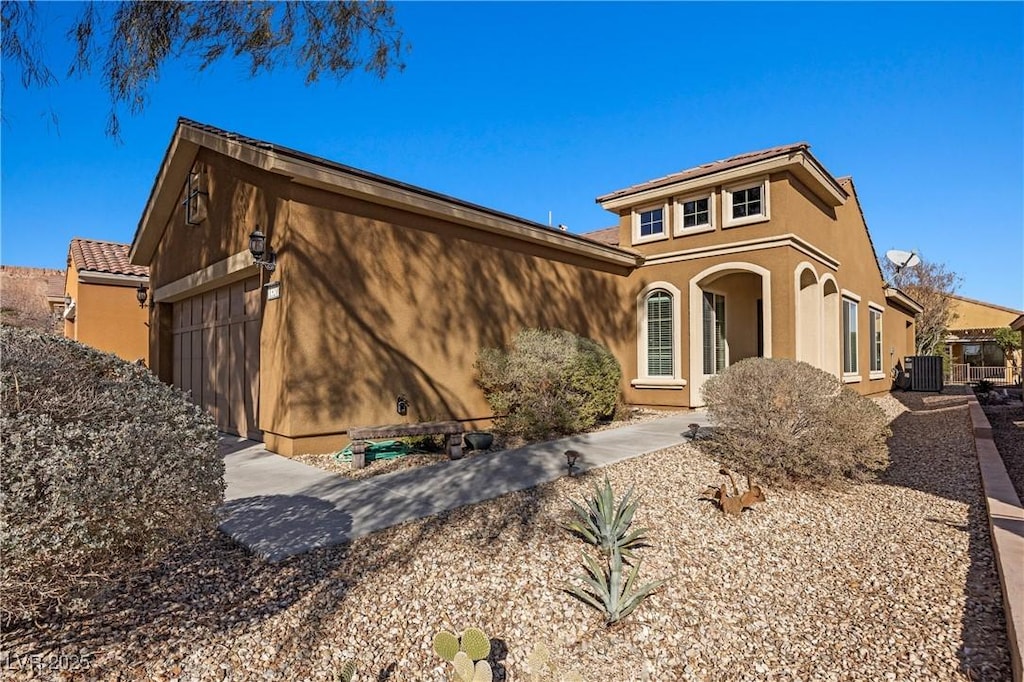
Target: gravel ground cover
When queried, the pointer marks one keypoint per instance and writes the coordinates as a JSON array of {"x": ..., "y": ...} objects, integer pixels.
[
  {"x": 1008, "y": 432},
  {"x": 892, "y": 580}
]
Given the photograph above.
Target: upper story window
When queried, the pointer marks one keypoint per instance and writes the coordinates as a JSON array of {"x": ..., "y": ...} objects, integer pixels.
[
  {"x": 746, "y": 203},
  {"x": 649, "y": 224},
  {"x": 196, "y": 195},
  {"x": 652, "y": 222},
  {"x": 695, "y": 214}
]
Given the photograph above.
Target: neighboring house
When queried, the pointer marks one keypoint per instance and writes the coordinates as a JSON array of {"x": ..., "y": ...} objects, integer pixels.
[
  {"x": 1018, "y": 326},
  {"x": 973, "y": 351},
  {"x": 382, "y": 289},
  {"x": 32, "y": 297},
  {"x": 101, "y": 295}
]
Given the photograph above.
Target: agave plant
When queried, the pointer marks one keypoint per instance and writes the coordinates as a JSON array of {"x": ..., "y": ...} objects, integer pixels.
[
  {"x": 604, "y": 589},
  {"x": 604, "y": 524}
]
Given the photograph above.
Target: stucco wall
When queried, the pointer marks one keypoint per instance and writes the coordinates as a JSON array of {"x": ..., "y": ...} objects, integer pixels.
[
  {"x": 381, "y": 303},
  {"x": 108, "y": 317},
  {"x": 976, "y": 315}
]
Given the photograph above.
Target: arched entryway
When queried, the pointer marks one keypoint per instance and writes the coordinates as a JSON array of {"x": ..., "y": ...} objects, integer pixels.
[{"x": 730, "y": 319}]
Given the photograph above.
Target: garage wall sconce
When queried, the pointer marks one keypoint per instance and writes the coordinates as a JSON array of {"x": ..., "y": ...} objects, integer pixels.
[
  {"x": 262, "y": 254},
  {"x": 141, "y": 295}
]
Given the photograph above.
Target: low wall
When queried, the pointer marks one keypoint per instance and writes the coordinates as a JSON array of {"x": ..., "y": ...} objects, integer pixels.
[{"x": 1006, "y": 527}]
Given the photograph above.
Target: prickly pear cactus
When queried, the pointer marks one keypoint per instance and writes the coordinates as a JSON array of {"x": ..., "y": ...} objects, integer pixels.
[
  {"x": 476, "y": 644},
  {"x": 466, "y": 654},
  {"x": 446, "y": 645},
  {"x": 482, "y": 672},
  {"x": 346, "y": 673},
  {"x": 538, "y": 661}
]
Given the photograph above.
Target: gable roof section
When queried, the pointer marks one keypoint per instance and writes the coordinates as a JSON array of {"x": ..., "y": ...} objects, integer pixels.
[
  {"x": 796, "y": 157},
  {"x": 107, "y": 257},
  {"x": 606, "y": 235},
  {"x": 306, "y": 169},
  {"x": 986, "y": 304}
]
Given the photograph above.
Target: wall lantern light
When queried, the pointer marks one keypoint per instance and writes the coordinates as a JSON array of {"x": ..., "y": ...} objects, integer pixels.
[
  {"x": 262, "y": 254},
  {"x": 141, "y": 294},
  {"x": 402, "y": 405},
  {"x": 67, "y": 300}
]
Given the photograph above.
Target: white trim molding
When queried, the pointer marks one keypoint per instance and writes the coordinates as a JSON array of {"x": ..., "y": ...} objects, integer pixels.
[
  {"x": 727, "y": 191},
  {"x": 643, "y": 380},
  {"x": 746, "y": 246},
  {"x": 678, "y": 203},
  {"x": 111, "y": 278},
  {"x": 696, "y": 292},
  {"x": 812, "y": 354},
  {"x": 634, "y": 220},
  {"x": 875, "y": 374}
]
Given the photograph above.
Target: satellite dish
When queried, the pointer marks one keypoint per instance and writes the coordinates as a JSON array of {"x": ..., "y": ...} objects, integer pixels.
[{"x": 902, "y": 259}]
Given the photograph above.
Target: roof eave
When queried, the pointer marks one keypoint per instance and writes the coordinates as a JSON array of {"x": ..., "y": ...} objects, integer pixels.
[
  {"x": 801, "y": 162},
  {"x": 895, "y": 296},
  {"x": 312, "y": 172}
]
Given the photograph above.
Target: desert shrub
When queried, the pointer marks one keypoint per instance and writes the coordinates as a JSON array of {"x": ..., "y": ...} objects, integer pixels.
[
  {"x": 549, "y": 383},
  {"x": 788, "y": 423},
  {"x": 103, "y": 466}
]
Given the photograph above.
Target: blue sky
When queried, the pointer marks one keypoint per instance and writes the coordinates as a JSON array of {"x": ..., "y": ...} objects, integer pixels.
[{"x": 537, "y": 107}]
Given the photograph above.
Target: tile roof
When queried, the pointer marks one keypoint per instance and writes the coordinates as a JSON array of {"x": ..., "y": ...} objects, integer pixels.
[
  {"x": 708, "y": 169},
  {"x": 99, "y": 256},
  {"x": 607, "y": 235},
  {"x": 294, "y": 153}
]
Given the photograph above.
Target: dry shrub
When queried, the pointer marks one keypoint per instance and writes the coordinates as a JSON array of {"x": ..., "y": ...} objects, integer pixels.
[
  {"x": 788, "y": 423},
  {"x": 549, "y": 382},
  {"x": 103, "y": 466}
]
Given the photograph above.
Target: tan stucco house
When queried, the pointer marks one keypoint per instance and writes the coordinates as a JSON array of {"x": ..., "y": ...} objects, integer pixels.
[
  {"x": 380, "y": 288},
  {"x": 971, "y": 344},
  {"x": 102, "y": 308}
]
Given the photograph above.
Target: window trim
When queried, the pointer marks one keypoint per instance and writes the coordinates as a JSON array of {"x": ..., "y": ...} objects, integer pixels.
[
  {"x": 873, "y": 310},
  {"x": 635, "y": 223},
  {"x": 677, "y": 218},
  {"x": 643, "y": 379},
  {"x": 729, "y": 190},
  {"x": 852, "y": 375}
]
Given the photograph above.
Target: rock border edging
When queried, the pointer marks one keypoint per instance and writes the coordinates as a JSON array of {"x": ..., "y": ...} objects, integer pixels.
[{"x": 1006, "y": 529}]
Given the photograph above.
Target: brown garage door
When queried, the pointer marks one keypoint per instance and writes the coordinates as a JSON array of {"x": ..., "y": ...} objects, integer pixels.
[{"x": 217, "y": 354}]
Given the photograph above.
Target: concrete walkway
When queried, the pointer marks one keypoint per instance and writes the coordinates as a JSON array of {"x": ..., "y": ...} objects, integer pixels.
[{"x": 279, "y": 508}]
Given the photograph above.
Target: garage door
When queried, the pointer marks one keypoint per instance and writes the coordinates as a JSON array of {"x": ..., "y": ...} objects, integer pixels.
[{"x": 217, "y": 354}]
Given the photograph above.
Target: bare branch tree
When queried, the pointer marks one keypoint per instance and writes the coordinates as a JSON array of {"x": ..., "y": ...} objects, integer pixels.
[
  {"x": 931, "y": 285},
  {"x": 133, "y": 40}
]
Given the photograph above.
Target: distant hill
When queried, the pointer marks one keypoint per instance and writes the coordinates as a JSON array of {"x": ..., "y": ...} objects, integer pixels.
[{"x": 32, "y": 297}]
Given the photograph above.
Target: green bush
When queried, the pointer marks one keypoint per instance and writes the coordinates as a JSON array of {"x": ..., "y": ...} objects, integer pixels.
[
  {"x": 788, "y": 423},
  {"x": 103, "y": 466},
  {"x": 549, "y": 383}
]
